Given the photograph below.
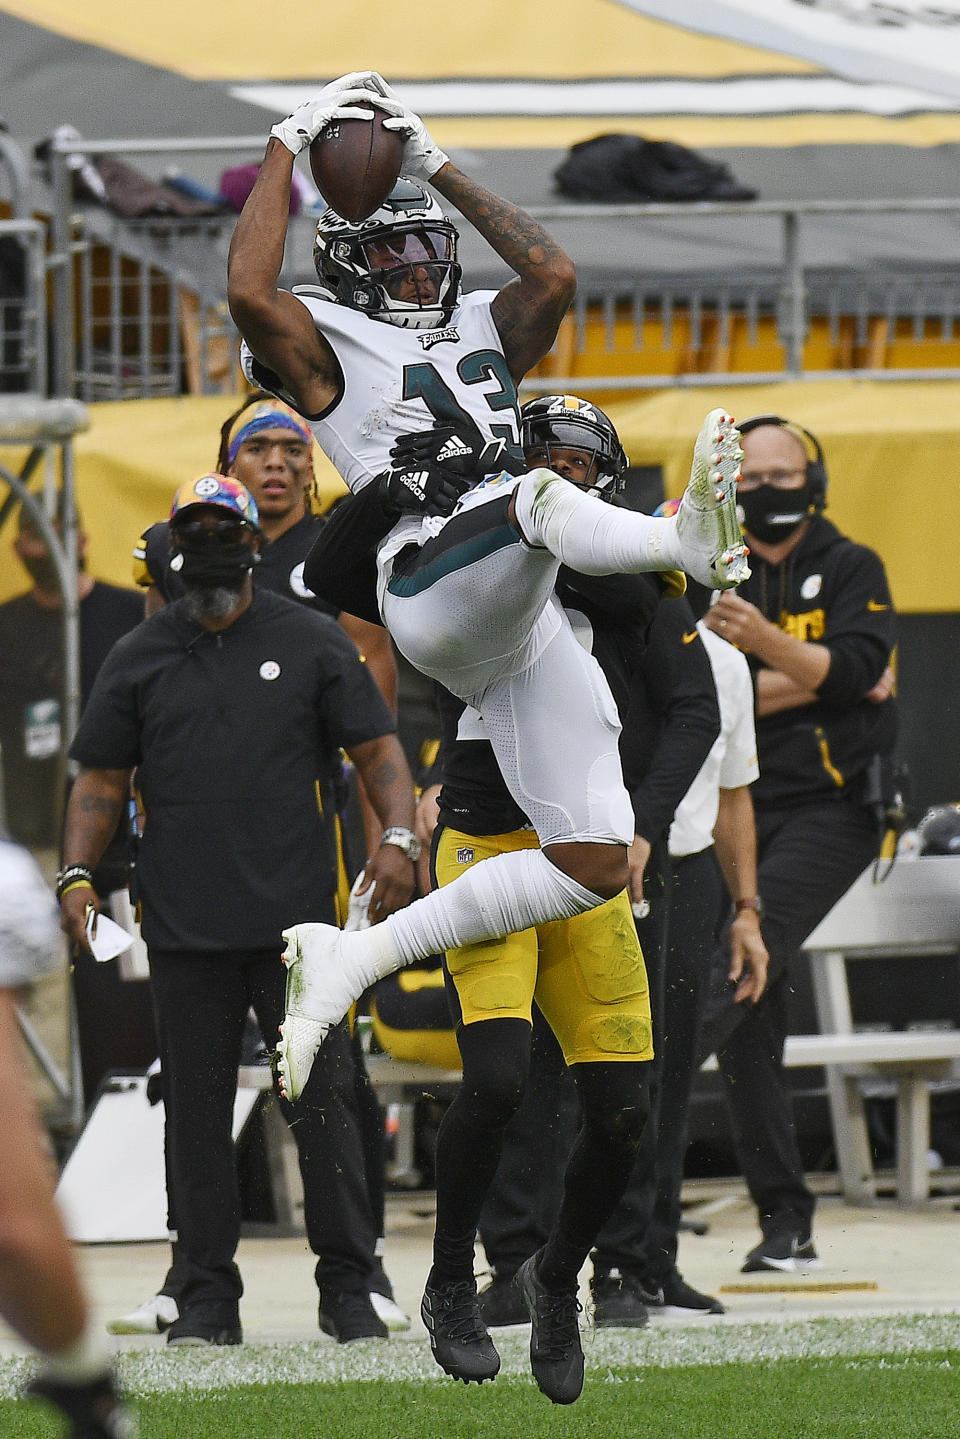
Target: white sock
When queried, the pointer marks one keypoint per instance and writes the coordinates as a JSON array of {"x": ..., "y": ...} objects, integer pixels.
[
  {"x": 500, "y": 895},
  {"x": 590, "y": 536},
  {"x": 85, "y": 1359}
]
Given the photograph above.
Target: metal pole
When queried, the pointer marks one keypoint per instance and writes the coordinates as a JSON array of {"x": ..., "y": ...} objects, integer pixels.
[
  {"x": 61, "y": 263},
  {"x": 794, "y": 299}
]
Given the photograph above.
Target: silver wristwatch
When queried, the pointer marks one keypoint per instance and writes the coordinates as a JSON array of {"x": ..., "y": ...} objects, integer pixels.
[{"x": 404, "y": 839}]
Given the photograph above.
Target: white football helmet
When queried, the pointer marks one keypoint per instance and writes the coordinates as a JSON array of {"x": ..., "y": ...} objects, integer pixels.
[{"x": 398, "y": 265}]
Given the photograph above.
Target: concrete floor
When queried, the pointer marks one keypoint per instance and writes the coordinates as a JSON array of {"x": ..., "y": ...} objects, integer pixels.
[{"x": 878, "y": 1260}]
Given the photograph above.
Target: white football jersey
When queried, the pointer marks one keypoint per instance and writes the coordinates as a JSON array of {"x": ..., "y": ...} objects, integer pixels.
[{"x": 398, "y": 381}]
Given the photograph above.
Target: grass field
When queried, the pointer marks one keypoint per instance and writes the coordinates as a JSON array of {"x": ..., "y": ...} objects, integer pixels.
[{"x": 846, "y": 1378}]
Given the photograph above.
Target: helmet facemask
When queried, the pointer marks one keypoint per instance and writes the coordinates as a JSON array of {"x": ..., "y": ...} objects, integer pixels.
[{"x": 399, "y": 265}]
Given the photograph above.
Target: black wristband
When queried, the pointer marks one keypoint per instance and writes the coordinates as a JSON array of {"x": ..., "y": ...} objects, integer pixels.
[{"x": 71, "y": 875}]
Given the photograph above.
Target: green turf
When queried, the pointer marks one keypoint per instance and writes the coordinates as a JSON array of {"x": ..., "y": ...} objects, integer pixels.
[{"x": 911, "y": 1395}]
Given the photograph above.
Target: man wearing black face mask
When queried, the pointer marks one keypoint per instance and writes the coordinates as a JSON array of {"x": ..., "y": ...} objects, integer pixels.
[
  {"x": 816, "y": 622},
  {"x": 230, "y": 703}
]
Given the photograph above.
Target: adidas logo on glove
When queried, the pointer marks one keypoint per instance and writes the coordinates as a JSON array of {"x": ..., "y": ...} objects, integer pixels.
[{"x": 454, "y": 449}]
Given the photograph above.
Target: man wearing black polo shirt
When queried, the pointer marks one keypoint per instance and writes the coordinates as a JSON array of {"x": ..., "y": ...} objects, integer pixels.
[{"x": 229, "y": 704}]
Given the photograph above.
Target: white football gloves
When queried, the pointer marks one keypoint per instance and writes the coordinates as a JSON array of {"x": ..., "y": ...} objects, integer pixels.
[
  {"x": 421, "y": 157},
  {"x": 340, "y": 99},
  {"x": 337, "y": 101}
]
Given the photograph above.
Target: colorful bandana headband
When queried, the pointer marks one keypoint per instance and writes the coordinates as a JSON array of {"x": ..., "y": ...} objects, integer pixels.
[
  {"x": 220, "y": 490},
  {"x": 267, "y": 415}
]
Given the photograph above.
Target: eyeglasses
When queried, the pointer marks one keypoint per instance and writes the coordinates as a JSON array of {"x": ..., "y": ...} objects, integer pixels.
[{"x": 777, "y": 479}]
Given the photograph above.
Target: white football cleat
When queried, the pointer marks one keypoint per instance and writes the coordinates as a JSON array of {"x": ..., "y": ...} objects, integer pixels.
[
  {"x": 388, "y": 1311},
  {"x": 712, "y": 547},
  {"x": 153, "y": 1316},
  {"x": 318, "y": 996}
]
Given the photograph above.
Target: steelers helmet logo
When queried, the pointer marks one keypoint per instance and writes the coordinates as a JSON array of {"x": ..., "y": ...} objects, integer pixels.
[
  {"x": 207, "y": 486},
  {"x": 269, "y": 670}
]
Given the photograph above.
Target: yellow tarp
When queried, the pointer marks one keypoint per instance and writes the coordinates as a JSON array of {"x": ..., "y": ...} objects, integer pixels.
[
  {"x": 892, "y": 450},
  {"x": 128, "y": 465},
  {"x": 582, "y": 39},
  {"x": 893, "y": 458}
]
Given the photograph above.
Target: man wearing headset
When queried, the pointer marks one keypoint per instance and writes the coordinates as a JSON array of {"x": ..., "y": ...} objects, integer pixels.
[{"x": 816, "y": 622}]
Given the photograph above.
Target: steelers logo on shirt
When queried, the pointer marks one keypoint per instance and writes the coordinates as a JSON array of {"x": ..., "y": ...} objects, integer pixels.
[
  {"x": 811, "y": 587},
  {"x": 269, "y": 670}
]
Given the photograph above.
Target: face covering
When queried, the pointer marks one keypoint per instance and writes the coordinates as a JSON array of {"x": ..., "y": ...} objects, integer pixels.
[
  {"x": 206, "y": 563},
  {"x": 771, "y": 515}
]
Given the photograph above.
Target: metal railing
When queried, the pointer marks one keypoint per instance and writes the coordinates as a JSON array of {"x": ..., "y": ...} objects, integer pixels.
[
  {"x": 23, "y": 307},
  {"x": 128, "y": 338}
]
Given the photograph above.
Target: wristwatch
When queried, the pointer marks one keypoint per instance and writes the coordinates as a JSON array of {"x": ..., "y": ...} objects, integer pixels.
[{"x": 404, "y": 839}]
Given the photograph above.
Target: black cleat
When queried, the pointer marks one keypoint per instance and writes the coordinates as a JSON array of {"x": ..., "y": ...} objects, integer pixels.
[
  {"x": 501, "y": 1304},
  {"x": 617, "y": 1301},
  {"x": 671, "y": 1295},
  {"x": 789, "y": 1253},
  {"x": 209, "y": 1321},
  {"x": 348, "y": 1316},
  {"x": 95, "y": 1409},
  {"x": 556, "y": 1357},
  {"x": 458, "y": 1337}
]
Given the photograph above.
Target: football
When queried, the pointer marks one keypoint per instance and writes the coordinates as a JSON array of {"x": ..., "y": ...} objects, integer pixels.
[{"x": 355, "y": 165}]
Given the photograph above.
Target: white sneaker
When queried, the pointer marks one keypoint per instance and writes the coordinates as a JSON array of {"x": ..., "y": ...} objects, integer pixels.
[
  {"x": 389, "y": 1312},
  {"x": 318, "y": 996},
  {"x": 712, "y": 547},
  {"x": 153, "y": 1316}
]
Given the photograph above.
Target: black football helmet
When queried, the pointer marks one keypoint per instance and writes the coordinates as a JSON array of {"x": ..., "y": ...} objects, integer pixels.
[
  {"x": 939, "y": 830},
  {"x": 384, "y": 264},
  {"x": 574, "y": 424}
]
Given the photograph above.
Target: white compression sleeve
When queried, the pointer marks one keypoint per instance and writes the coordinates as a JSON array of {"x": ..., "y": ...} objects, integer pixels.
[
  {"x": 500, "y": 895},
  {"x": 589, "y": 536}
]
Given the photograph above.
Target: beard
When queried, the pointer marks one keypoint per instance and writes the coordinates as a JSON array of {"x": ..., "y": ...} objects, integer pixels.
[{"x": 212, "y": 602}]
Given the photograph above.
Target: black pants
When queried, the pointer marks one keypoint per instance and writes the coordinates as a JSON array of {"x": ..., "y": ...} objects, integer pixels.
[
  {"x": 641, "y": 1235},
  {"x": 808, "y": 858},
  {"x": 521, "y": 1205},
  {"x": 201, "y": 1003}
]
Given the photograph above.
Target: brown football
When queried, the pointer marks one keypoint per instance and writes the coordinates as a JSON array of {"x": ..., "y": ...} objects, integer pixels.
[{"x": 355, "y": 165}]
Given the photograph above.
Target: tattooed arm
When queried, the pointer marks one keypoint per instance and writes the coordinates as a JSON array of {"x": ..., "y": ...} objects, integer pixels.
[
  {"x": 97, "y": 800},
  {"x": 528, "y": 310}
]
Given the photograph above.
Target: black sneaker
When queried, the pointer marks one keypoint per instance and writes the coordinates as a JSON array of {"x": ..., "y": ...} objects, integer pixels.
[
  {"x": 95, "y": 1410},
  {"x": 458, "y": 1337},
  {"x": 501, "y": 1303},
  {"x": 207, "y": 1322},
  {"x": 556, "y": 1357},
  {"x": 348, "y": 1316},
  {"x": 669, "y": 1294},
  {"x": 790, "y": 1253},
  {"x": 617, "y": 1301}
]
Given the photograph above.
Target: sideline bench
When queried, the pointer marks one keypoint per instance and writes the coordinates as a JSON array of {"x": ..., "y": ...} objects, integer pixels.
[
  {"x": 914, "y": 911},
  {"x": 910, "y": 1060}
]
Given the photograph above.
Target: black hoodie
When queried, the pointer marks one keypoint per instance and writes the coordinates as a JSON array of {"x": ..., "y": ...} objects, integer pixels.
[{"x": 831, "y": 592}]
